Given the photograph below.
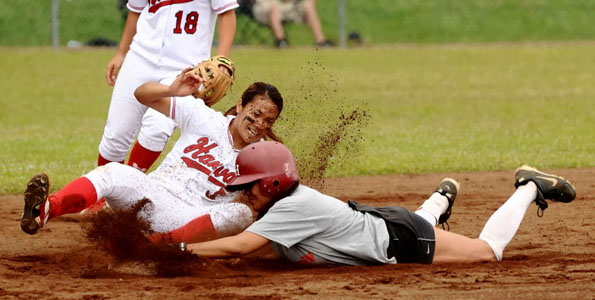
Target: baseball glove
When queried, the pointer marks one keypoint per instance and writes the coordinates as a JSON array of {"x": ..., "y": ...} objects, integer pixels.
[{"x": 217, "y": 82}]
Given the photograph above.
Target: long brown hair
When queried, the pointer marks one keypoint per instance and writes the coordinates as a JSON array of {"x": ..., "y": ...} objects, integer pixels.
[{"x": 265, "y": 90}]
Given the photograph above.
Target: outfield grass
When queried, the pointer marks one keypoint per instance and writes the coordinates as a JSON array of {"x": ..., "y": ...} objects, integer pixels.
[
  {"x": 447, "y": 21},
  {"x": 430, "y": 108},
  {"x": 28, "y": 22}
]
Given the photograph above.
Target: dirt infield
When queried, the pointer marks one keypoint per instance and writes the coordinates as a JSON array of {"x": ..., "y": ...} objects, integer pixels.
[{"x": 550, "y": 258}]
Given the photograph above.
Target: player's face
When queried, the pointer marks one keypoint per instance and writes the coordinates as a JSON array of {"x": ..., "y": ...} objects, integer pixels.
[
  {"x": 256, "y": 199},
  {"x": 256, "y": 118}
]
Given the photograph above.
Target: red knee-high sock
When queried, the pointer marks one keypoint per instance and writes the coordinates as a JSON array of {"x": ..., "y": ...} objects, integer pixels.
[
  {"x": 103, "y": 161},
  {"x": 74, "y": 197},
  {"x": 142, "y": 158},
  {"x": 200, "y": 229}
]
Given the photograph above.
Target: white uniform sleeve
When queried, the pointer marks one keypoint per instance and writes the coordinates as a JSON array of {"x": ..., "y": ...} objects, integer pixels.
[
  {"x": 192, "y": 115},
  {"x": 285, "y": 224},
  {"x": 221, "y": 6},
  {"x": 137, "y": 6},
  {"x": 188, "y": 112}
]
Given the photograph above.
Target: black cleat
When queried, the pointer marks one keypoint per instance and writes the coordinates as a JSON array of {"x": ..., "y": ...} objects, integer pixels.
[
  {"x": 36, "y": 194},
  {"x": 550, "y": 187},
  {"x": 448, "y": 188}
]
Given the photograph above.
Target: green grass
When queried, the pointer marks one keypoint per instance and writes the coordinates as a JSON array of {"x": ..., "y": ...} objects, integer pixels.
[
  {"x": 447, "y": 21},
  {"x": 430, "y": 108},
  {"x": 28, "y": 22}
]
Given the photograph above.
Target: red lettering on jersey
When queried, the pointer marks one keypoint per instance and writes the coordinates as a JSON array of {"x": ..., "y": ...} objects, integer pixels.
[
  {"x": 307, "y": 259},
  {"x": 201, "y": 160},
  {"x": 189, "y": 26},
  {"x": 206, "y": 159},
  {"x": 157, "y": 4},
  {"x": 195, "y": 165},
  {"x": 201, "y": 146},
  {"x": 220, "y": 192},
  {"x": 217, "y": 182},
  {"x": 214, "y": 165},
  {"x": 227, "y": 176}
]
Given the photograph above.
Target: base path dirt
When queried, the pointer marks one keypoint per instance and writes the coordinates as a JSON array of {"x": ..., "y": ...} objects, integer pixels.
[{"x": 552, "y": 257}]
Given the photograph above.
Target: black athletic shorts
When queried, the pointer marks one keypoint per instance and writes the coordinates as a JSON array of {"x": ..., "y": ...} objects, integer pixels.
[{"x": 408, "y": 247}]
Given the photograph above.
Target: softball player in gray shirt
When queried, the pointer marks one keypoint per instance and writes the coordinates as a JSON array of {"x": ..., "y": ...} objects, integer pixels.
[{"x": 305, "y": 226}]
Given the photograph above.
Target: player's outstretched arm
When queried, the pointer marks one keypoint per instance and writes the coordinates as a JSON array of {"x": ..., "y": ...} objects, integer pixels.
[
  {"x": 157, "y": 96},
  {"x": 113, "y": 67},
  {"x": 154, "y": 95},
  {"x": 233, "y": 246}
]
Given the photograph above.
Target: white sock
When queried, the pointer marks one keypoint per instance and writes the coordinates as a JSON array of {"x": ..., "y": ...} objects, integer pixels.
[
  {"x": 427, "y": 216},
  {"x": 432, "y": 208},
  {"x": 504, "y": 222}
]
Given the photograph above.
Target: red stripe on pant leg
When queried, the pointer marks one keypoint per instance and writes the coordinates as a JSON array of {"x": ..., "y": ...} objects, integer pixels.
[
  {"x": 200, "y": 229},
  {"x": 142, "y": 158},
  {"x": 74, "y": 197}
]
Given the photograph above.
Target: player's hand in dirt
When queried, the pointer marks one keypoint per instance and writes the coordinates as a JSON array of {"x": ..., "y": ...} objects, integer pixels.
[
  {"x": 185, "y": 84},
  {"x": 113, "y": 67}
]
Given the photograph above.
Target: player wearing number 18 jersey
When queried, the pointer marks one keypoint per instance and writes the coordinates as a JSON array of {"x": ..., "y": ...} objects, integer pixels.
[{"x": 161, "y": 37}]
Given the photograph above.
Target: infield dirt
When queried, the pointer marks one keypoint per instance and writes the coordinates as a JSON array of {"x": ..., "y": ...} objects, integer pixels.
[{"x": 552, "y": 257}]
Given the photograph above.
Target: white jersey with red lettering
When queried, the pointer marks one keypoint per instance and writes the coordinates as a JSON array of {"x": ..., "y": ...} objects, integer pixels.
[
  {"x": 202, "y": 162},
  {"x": 176, "y": 33},
  {"x": 190, "y": 182}
]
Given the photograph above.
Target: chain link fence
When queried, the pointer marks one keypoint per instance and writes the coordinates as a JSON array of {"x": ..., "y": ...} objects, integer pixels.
[
  {"x": 29, "y": 22},
  {"x": 352, "y": 22}
]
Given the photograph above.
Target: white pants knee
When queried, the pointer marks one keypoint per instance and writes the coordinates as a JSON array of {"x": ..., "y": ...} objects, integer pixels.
[
  {"x": 125, "y": 112},
  {"x": 155, "y": 130}
]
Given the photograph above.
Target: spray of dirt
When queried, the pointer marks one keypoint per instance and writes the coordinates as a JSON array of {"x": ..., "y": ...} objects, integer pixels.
[
  {"x": 315, "y": 105},
  {"x": 346, "y": 133},
  {"x": 123, "y": 235}
]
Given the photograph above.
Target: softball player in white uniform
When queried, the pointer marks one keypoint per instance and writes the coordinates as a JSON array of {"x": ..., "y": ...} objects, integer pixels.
[
  {"x": 187, "y": 191},
  {"x": 167, "y": 37}
]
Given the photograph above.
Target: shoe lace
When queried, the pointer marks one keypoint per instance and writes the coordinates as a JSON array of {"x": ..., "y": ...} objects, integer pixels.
[
  {"x": 541, "y": 208},
  {"x": 541, "y": 204}
]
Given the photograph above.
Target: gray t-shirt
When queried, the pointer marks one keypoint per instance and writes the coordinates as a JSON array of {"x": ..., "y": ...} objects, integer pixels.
[{"x": 312, "y": 228}]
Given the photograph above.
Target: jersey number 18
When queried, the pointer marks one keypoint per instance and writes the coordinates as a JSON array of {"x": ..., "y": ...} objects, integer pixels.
[{"x": 189, "y": 26}]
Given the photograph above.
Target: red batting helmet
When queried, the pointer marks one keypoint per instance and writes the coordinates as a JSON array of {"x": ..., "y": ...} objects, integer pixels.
[{"x": 270, "y": 163}]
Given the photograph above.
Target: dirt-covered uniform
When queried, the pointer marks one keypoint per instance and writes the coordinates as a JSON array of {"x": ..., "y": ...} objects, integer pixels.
[{"x": 191, "y": 180}]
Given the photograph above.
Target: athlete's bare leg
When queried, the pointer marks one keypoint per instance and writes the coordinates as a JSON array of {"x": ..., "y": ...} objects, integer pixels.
[{"x": 455, "y": 248}]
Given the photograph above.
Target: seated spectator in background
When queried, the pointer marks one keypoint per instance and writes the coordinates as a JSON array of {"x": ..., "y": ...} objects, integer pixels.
[{"x": 274, "y": 12}]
